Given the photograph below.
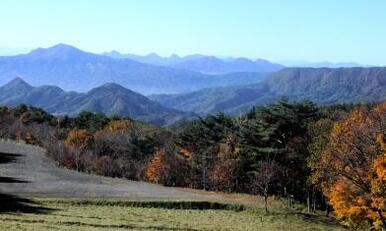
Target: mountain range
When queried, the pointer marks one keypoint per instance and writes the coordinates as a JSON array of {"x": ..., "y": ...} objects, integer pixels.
[
  {"x": 71, "y": 80},
  {"x": 153, "y": 58},
  {"x": 324, "y": 86},
  {"x": 204, "y": 64},
  {"x": 72, "y": 69},
  {"x": 110, "y": 99}
]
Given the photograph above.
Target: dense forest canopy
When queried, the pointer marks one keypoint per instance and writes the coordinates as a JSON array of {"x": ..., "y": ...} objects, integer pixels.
[{"x": 331, "y": 158}]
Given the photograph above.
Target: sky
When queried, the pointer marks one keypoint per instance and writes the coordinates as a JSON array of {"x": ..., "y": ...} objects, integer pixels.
[{"x": 306, "y": 30}]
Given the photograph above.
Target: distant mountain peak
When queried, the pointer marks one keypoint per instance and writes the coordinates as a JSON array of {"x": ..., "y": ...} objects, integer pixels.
[
  {"x": 174, "y": 56},
  {"x": 112, "y": 85},
  {"x": 113, "y": 52},
  {"x": 60, "y": 49},
  {"x": 153, "y": 55},
  {"x": 112, "y": 88},
  {"x": 17, "y": 82},
  {"x": 242, "y": 59},
  {"x": 259, "y": 60},
  {"x": 63, "y": 46}
]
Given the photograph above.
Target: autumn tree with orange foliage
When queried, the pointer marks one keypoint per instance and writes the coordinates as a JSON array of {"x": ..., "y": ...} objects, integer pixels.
[
  {"x": 378, "y": 186},
  {"x": 350, "y": 169},
  {"x": 78, "y": 140},
  {"x": 158, "y": 169},
  {"x": 319, "y": 132},
  {"x": 168, "y": 166}
]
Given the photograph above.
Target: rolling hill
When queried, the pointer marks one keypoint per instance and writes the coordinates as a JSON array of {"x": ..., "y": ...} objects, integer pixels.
[
  {"x": 321, "y": 85},
  {"x": 72, "y": 69},
  {"x": 110, "y": 99}
]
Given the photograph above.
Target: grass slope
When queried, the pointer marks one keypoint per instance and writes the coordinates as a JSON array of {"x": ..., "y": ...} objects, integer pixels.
[
  {"x": 38, "y": 176},
  {"x": 74, "y": 215},
  {"x": 45, "y": 201}
]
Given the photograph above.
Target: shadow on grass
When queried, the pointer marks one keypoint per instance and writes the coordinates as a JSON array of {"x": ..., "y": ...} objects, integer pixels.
[
  {"x": 10, "y": 203},
  {"x": 307, "y": 217},
  {"x": 330, "y": 221},
  {"x": 8, "y": 157},
  {"x": 11, "y": 180}
]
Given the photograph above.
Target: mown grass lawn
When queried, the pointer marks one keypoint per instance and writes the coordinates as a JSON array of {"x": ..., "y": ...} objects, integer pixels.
[{"x": 76, "y": 215}]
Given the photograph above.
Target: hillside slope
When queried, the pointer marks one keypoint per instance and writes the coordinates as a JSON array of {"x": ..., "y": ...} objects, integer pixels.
[{"x": 321, "y": 85}]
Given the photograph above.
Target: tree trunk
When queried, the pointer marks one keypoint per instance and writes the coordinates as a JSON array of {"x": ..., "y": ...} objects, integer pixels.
[
  {"x": 266, "y": 198},
  {"x": 313, "y": 200},
  {"x": 266, "y": 203},
  {"x": 286, "y": 195},
  {"x": 203, "y": 179},
  {"x": 308, "y": 202},
  {"x": 314, "y": 204},
  {"x": 327, "y": 210},
  {"x": 382, "y": 218}
]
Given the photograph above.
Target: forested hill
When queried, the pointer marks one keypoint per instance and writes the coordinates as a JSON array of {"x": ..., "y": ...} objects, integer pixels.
[
  {"x": 321, "y": 85},
  {"x": 109, "y": 99}
]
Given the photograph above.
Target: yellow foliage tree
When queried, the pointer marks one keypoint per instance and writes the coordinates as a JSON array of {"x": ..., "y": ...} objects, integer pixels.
[
  {"x": 119, "y": 126},
  {"x": 79, "y": 139},
  {"x": 351, "y": 168}
]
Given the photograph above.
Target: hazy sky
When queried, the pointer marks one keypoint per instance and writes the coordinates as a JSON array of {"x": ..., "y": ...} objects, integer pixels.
[{"x": 324, "y": 30}]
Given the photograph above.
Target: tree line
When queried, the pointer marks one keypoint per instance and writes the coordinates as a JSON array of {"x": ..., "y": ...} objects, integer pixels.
[{"x": 330, "y": 158}]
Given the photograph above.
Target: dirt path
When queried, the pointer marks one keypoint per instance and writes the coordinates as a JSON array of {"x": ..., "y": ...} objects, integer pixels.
[{"x": 29, "y": 173}]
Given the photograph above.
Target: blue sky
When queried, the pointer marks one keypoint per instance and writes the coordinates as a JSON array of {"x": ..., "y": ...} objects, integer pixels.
[{"x": 324, "y": 30}]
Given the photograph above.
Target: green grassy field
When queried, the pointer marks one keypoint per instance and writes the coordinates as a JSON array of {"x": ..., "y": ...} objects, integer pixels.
[{"x": 122, "y": 215}]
